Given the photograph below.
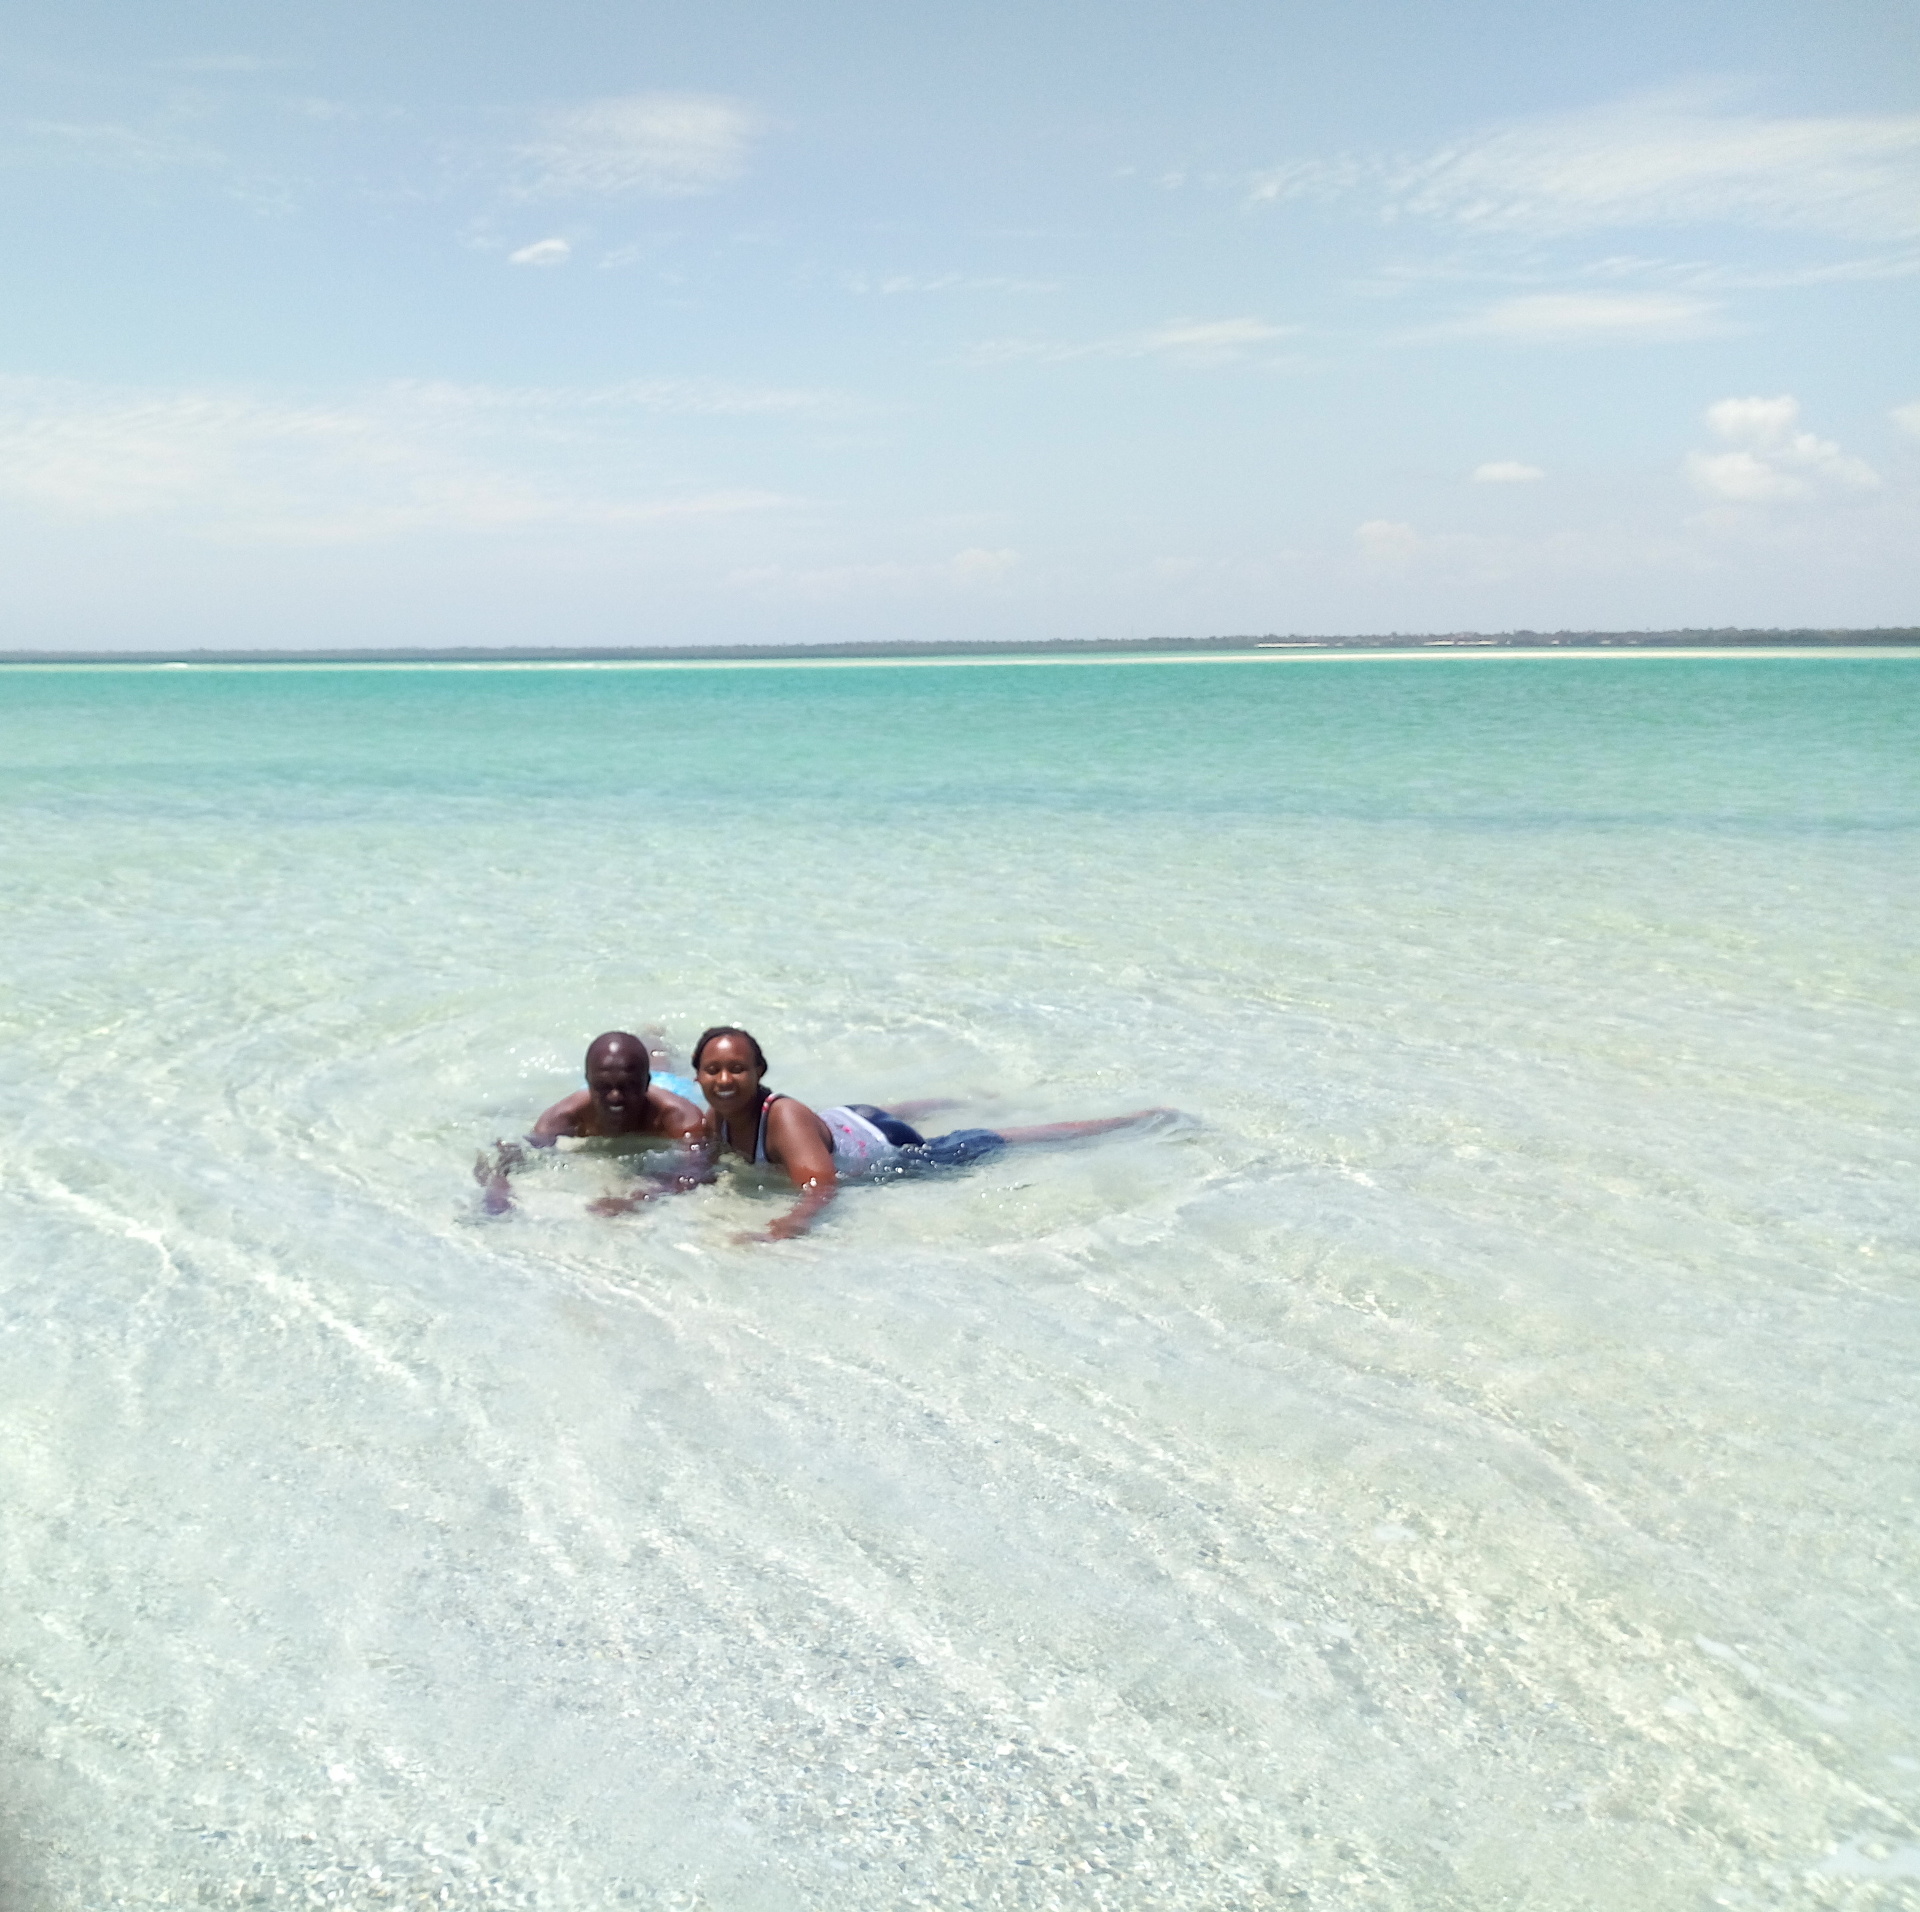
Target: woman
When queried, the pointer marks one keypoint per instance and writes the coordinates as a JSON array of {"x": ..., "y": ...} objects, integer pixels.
[{"x": 817, "y": 1150}]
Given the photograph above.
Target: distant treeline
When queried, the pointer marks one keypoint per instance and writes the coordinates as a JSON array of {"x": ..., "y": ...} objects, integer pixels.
[{"x": 1726, "y": 638}]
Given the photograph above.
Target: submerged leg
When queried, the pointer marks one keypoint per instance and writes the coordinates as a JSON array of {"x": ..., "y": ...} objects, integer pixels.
[
  {"x": 908, "y": 1111},
  {"x": 975, "y": 1145},
  {"x": 660, "y": 1051},
  {"x": 1068, "y": 1131}
]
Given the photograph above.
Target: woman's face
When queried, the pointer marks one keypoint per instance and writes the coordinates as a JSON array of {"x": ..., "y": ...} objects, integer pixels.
[{"x": 729, "y": 1077}]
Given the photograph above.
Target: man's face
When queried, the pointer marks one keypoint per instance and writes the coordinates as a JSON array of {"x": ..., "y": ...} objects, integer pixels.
[{"x": 617, "y": 1080}]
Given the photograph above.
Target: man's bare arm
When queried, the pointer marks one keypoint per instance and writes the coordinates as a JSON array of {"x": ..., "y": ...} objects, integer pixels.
[
  {"x": 566, "y": 1117},
  {"x": 675, "y": 1117}
]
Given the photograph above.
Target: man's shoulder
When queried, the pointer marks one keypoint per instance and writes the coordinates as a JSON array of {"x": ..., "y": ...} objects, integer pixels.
[
  {"x": 567, "y": 1116},
  {"x": 674, "y": 1114}
]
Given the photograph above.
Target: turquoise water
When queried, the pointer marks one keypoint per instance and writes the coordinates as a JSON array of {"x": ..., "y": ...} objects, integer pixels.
[{"x": 1468, "y": 1463}]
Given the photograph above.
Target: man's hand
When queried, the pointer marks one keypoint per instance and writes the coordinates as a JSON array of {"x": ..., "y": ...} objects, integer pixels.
[
  {"x": 651, "y": 1190},
  {"x": 491, "y": 1172},
  {"x": 621, "y": 1204}
]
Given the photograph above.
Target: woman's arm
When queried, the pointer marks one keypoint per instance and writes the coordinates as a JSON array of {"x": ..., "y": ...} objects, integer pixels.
[{"x": 797, "y": 1140}]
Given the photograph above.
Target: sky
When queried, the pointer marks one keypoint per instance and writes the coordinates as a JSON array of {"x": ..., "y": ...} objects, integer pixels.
[{"x": 621, "y": 324}]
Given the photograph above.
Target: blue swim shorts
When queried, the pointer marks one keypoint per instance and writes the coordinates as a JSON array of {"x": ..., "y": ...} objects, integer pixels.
[
  {"x": 952, "y": 1151},
  {"x": 916, "y": 1152}
]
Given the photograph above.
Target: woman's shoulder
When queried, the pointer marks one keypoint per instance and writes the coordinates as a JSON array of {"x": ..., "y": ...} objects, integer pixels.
[
  {"x": 787, "y": 1109},
  {"x": 787, "y": 1115}
]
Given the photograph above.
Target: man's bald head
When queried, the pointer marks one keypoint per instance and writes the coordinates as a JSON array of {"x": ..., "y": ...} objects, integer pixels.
[{"x": 617, "y": 1042}]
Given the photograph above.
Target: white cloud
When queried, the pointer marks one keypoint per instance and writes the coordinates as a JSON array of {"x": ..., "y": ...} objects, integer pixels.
[
  {"x": 1907, "y": 417},
  {"x": 1506, "y": 471},
  {"x": 1763, "y": 421},
  {"x": 1187, "y": 341},
  {"x": 667, "y": 145},
  {"x": 976, "y": 565},
  {"x": 1773, "y": 460},
  {"x": 543, "y": 252},
  {"x": 1662, "y": 159},
  {"x": 1589, "y": 318},
  {"x": 241, "y": 466},
  {"x": 1740, "y": 477},
  {"x": 1388, "y": 541}
]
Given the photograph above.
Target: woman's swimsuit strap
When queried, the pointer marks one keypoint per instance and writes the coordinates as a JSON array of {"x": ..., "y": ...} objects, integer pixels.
[{"x": 760, "y": 1135}]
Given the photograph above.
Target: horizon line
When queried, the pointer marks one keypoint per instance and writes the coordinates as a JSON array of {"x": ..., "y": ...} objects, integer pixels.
[{"x": 1695, "y": 640}]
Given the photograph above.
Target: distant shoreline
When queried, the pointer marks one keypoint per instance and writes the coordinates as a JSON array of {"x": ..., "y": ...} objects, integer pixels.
[{"x": 1884, "y": 638}]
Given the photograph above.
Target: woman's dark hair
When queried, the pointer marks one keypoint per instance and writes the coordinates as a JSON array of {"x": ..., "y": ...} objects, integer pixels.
[{"x": 727, "y": 1029}]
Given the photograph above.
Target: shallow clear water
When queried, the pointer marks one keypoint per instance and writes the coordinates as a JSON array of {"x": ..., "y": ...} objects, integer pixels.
[{"x": 1469, "y": 1464}]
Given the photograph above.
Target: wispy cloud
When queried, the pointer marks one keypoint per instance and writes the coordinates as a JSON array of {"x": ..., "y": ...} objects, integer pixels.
[
  {"x": 1663, "y": 159},
  {"x": 1907, "y": 417},
  {"x": 543, "y": 252},
  {"x": 219, "y": 63},
  {"x": 1507, "y": 471},
  {"x": 1185, "y": 341},
  {"x": 1694, "y": 276},
  {"x": 246, "y": 466},
  {"x": 1774, "y": 460},
  {"x": 664, "y": 145},
  {"x": 326, "y": 112},
  {"x": 106, "y": 144},
  {"x": 1746, "y": 278},
  {"x": 892, "y": 284},
  {"x": 689, "y": 396},
  {"x": 1590, "y": 318},
  {"x": 968, "y": 570},
  {"x": 1556, "y": 558}
]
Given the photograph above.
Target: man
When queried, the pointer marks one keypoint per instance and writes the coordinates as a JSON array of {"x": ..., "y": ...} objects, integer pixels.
[{"x": 623, "y": 1102}]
